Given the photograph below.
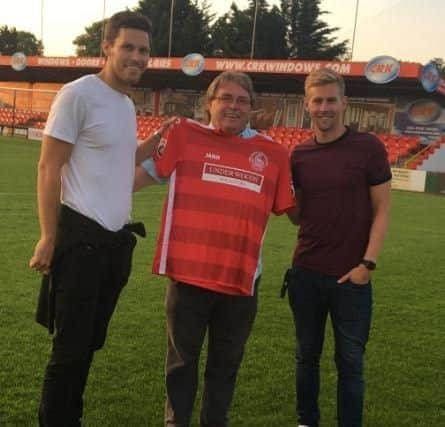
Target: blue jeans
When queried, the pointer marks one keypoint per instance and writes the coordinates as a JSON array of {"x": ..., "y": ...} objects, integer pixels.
[{"x": 312, "y": 296}]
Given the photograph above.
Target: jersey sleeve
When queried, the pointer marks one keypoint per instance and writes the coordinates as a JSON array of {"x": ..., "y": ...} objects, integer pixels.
[
  {"x": 284, "y": 194},
  {"x": 169, "y": 151},
  {"x": 149, "y": 167},
  {"x": 67, "y": 115},
  {"x": 378, "y": 169}
]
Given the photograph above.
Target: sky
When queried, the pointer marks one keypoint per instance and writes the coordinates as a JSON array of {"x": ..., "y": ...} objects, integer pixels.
[{"x": 409, "y": 30}]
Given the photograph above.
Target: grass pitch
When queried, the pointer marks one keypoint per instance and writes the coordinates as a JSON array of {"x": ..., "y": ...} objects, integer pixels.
[{"x": 405, "y": 355}]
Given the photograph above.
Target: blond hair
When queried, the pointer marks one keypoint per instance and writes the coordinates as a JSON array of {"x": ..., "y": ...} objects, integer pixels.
[{"x": 322, "y": 77}]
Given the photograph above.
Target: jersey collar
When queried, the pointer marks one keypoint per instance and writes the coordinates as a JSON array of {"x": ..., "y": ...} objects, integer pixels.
[{"x": 245, "y": 133}]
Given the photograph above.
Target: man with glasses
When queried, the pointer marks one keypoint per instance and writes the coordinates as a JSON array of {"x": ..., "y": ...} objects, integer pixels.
[{"x": 225, "y": 180}]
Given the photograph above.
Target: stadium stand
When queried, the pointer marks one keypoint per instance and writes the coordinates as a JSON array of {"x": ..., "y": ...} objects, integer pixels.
[
  {"x": 24, "y": 118},
  {"x": 399, "y": 147},
  {"x": 147, "y": 125},
  {"x": 431, "y": 158},
  {"x": 289, "y": 137}
]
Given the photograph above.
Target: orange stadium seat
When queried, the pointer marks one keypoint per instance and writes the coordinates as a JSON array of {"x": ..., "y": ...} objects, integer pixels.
[{"x": 399, "y": 146}]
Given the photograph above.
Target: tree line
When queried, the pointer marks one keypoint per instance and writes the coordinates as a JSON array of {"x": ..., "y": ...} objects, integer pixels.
[
  {"x": 294, "y": 29},
  {"x": 12, "y": 40}
]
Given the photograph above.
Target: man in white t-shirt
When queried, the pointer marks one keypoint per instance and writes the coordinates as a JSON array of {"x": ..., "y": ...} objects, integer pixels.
[{"x": 85, "y": 181}]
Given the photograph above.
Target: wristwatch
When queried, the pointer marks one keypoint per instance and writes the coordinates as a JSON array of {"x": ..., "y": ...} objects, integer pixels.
[{"x": 370, "y": 265}]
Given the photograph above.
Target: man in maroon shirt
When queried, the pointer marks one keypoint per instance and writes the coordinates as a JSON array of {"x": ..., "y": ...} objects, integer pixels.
[{"x": 342, "y": 179}]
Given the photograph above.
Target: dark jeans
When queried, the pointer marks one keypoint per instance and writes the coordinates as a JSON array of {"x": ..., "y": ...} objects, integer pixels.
[
  {"x": 90, "y": 269},
  {"x": 191, "y": 312},
  {"x": 312, "y": 296}
]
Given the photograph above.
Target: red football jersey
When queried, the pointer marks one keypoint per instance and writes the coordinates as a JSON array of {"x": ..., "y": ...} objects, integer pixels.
[{"x": 222, "y": 191}]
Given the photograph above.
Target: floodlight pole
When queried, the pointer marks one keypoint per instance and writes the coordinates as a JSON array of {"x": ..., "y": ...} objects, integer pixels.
[
  {"x": 41, "y": 20},
  {"x": 102, "y": 32},
  {"x": 170, "y": 32},
  {"x": 355, "y": 27},
  {"x": 14, "y": 105},
  {"x": 252, "y": 48}
]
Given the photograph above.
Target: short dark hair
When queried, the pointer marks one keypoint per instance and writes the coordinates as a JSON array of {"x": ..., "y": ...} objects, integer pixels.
[{"x": 126, "y": 19}]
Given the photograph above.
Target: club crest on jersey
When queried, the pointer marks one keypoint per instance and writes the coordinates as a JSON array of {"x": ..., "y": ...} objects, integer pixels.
[
  {"x": 258, "y": 161},
  {"x": 161, "y": 147}
]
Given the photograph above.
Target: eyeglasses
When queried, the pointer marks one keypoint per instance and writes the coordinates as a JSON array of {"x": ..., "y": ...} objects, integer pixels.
[{"x": 229, "y": 99}]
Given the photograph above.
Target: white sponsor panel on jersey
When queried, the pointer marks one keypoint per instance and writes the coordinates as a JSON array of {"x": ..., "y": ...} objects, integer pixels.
[{"x": 232, "y": 176}]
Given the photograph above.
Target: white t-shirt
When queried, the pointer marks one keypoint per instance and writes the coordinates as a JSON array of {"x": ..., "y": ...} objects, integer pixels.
[{"x": 98, "y": 179}]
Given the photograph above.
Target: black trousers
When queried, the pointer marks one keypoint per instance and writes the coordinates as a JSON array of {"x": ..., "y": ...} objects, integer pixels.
[
  {"x": 191, "y": 312},
  {"x": 90, "y": 268}
]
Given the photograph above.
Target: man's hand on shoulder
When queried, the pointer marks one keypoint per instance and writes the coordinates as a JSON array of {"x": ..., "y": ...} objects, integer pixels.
[
  {"x": 167, "y": 123},
  {"x": 148, "y": 147}
]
